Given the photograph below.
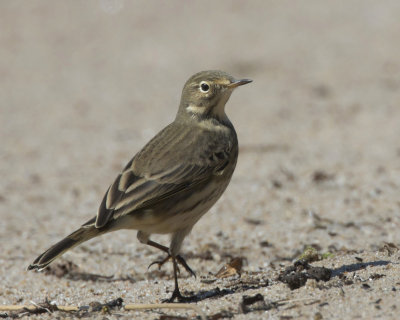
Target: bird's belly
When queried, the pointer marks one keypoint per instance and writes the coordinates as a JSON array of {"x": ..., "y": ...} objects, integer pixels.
[
  {"x": 178, "y": 213},
  {"x": 189, "y": 211}
]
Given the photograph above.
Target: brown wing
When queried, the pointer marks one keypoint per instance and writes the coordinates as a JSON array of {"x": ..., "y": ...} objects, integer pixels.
[{"x": 144, "y": 183}]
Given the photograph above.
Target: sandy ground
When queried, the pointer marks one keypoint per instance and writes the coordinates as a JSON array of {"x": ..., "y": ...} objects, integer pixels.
[{"x": 83, "y": 85}]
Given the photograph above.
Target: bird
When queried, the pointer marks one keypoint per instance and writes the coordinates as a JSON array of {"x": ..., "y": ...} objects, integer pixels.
[{"x": 175, "y": 178}]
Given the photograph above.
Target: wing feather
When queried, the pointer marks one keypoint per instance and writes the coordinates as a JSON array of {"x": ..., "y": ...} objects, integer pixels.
[{"x": 143, "y": 184}]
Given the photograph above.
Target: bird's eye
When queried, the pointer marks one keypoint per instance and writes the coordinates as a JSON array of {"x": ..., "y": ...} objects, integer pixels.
[{"x": 204, "y": 87}]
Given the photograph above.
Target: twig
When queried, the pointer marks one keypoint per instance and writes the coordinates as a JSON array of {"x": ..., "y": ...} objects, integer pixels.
[
  {"x": 34, "y": 307},
  {"x": 166, "y": 306}
]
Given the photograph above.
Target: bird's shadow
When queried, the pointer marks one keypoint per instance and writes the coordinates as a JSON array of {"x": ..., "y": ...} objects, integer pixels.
[
  {"x": 239, "y": 286},
  {"x": 216, "y": 292},
  {"x": 358, "y": 266}
]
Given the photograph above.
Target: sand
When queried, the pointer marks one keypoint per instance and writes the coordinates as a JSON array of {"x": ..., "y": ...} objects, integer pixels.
[{"x": 84, "y": 85}]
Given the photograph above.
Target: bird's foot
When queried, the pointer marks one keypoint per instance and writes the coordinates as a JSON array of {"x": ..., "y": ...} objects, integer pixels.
[
  {"x": 179, "y": 259},
  {"x": 179, "y": 298},
  {"x": 160, "y": 263}
]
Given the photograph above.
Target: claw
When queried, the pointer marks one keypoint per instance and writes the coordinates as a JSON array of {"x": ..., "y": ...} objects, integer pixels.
[
  {"x": 179, "y": 259},
  {"x": 177, "y": 295},
  {"x": 185, "y": 265},
  {"x": 159, "y": 262}
]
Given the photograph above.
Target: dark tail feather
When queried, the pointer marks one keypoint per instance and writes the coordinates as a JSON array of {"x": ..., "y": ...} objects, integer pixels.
[{"x": 81, "y": 235}]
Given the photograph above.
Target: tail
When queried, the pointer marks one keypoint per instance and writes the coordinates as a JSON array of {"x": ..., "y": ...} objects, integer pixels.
[{"x": 83, "y": 234}]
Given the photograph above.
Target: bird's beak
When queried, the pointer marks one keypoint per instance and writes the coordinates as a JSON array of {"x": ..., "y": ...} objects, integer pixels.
[{"x": 238, "y": 83}]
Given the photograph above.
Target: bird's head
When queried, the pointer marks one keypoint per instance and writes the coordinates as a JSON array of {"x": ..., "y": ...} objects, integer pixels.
[{"x": 206, "y": 93}]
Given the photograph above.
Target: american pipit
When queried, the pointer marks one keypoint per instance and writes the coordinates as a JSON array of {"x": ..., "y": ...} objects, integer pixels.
[{"x": 174, "y": 180}]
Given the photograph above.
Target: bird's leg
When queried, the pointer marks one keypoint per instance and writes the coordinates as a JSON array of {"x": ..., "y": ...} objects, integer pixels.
[
  {"x": 178, "y": 258},
  {"x": 176, "y": 294}
]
